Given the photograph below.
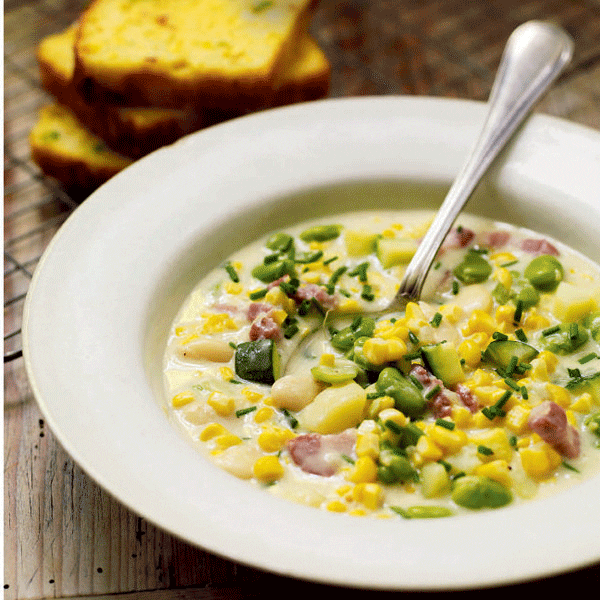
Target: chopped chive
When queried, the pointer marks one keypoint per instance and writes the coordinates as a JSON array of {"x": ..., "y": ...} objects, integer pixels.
[
  {"x": 550, "y": 330},
  {"x": 393, "y": 426},
  {"x": 244, "y": 411},
  {"x": 446, "y": 424},
  {"x": 566, "y": 465},
  {"x": 518, "y": 312},
  {"x": 233, "y": 345},
  {"x": 290, "y": 331},
  {"x": 510, "y": 263},
  {"x": 573, "y": 330},
  {"x": 587, "y": 358},
  {"x": 484, "y": 450},
  {"x": 437, "y": 265},
  {"x": 437, "y": 319},
  {"x": 360, "y": 271},
  {"x": 520, "y": 335},
  {"x": 367, "y": 293},
  {"x": 455, "y": 287},
  {"x": 348, "y": 459},
  {"x": 413, "y": 355},
  {"x": 497, "y": 335},
  {"x": 304, "y": 307},
  {"x": 575, "y": 373},
  {"x": 330, "y": 260},
  {"x": 510, "y": 369},
  {"x": 512, "y": 440},
  {"x": 446, "y": 465},
  {"x": 524, "y": 393},
  {"x": 232, "y": 273},
  {"x": 258, "y": 294},
  {"x": 336, "y": 275},
  {"x": 290, "y": 418},
  {"x": 417, "y": 383},
  {"x": 433, "y": 392},
  {"x": 306, "y": 258},
  {"x": 270, "y": 258},
  {"x": 413, "y": 338},
  {"x": 512, "y": 383}
]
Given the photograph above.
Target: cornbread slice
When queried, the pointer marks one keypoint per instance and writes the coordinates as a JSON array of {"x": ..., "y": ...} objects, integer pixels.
[
  {"x": 227, "y": 54},
  {"x": 65, "y": 150},
  {"x": 135, "y": 132}
]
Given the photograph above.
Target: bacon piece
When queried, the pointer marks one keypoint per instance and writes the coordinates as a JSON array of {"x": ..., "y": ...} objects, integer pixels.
[
  {"x": 458, "y": 237},
  {"x": 532, "y": 246},
  {"x": 467, "y": 398},
  {"x": 265, "y": 328},
  {"x": 549, "y": 421},
  {"x": 256, "y": 308},
  {"x": 441, "y": 403},
  {"x": 322, "y": 454},
  {"x": 493, "y": 239},
  {"x": 312, "y": 290}
]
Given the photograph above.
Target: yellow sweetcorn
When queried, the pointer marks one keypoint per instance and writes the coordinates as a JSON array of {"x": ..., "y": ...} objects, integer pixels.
[
  {"x": 501, "y": 258},
  {"x": 211, "y": 431},
  {"x": 539, "y": 460},
  {"x": 336, "y": 506},
  {"x": 470, "y": 352},
  {"x": 387, "y": 330},
  {"x": 452, "y": 313},
  {"x": 277, "y": 297},
  {"x": 543, "y": 365},
  {"x": 571, "y": 418},
  {"x": 264, "y": 413},
  {"x": 367, "y": 444},
  {"x": 503, "y": 275},
  {"x": 462, "y": 416},
  {"x": 479, "y": 321},
  {"x": 394, "y": 415},
  {"x": 559, "y": 394},
  {"x": 218, "y": 323},
  {"x": 267, "y": 469},
  {"x": 534, "y": 321},
  {"x": 378, "y": 405},
  {"x": 414, "y": 313},
  {"x": 368, "y": 494},
  {"x": 498, "y": 470},
  {"x": 505, "y": 315},
  {"x": 349, "y": 305},
  {"x": 497, "y": 441},
  {"x": 252, "y": 395},
  {"x": 234, "y": 287},
  {"x": 226, "y": 440},
  {"x": 327, "y": 359},
  {"x": 427, "y": 451},
  {"x": 226, "y": 373},
  {"x": 488, "y": 394},
  {"x": 343, "y": 490},
  {"x": 278, "y": 315},
  {"x": 273, "y": 439},
  {"x": 516, "y": 418},
  {"x": 583, "y": 403},
  {"x": 450, "y": 441},
  {"x": 379, "y": 351},
  {"x": 223, "y": 405},
  {"x": 364, "y": 470},
  {"x": 182, "y": 399}
]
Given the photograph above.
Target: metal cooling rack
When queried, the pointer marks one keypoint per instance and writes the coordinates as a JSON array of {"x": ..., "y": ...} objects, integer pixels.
[{"x": 432, "y": 47}]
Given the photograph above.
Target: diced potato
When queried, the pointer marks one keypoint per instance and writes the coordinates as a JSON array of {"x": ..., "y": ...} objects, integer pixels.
[
  {"x": 573, "y": 302},
  {"x": 335, "y": 409},
  {"x": 359, "y": 243}
]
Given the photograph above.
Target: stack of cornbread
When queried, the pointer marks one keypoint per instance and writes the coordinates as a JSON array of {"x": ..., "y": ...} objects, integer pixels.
[{"x": 134, "y": 75}]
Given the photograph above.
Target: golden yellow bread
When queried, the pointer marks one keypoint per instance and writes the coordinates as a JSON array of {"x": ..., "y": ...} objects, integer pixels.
[
  {"x": 226, "y": 54},
  {"x": 65, "y": 150},
  {"x": 135, "y": 132}
]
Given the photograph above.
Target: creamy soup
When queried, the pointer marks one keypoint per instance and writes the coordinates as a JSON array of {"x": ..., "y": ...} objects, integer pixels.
[{"x": 285, "y": 369}]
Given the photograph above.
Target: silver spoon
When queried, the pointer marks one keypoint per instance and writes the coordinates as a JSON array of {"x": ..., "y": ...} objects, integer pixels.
[{"x": 534, "y": 56}]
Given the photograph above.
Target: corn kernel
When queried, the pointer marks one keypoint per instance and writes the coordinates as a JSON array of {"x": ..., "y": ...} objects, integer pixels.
[
  {"x": 264, "y": 413},
  {"x": 367, "y": 444},
  {"x": 503, "y": 276},
  {"x": 227, "y": 440},
  {"x": 558, "y": 394},
  {"x": 414, "y": 312},
  {"x": 357, "y": 512},
  {"x": 393, "y": 414},
  {"x": 378, "y": 405},
  {"x": 450, "y": 441},
  {"x": 327, "y": 359},
  {"x": 226, "y": 373},
  {"x": 349, "y": 305},
  {"x": 498, "y": 470},
  {"x": 451, "y": 313},
  {"x": 343, "y": 490},
  {"x": 516, "y": 418},
  {"x": 533, "y": 320},
  {"x": 279, "y": 316},
  {"x": 218, "y": 323},
  {"x": 388, "y": 330},
  {"x": 211, "y": 431},
  {"x": 234, "y": 287},
  {"x": 277, "y": 297},
  {"x": 369, "y": 494},
  {"x": 252, "y": 395},
  {"x": 378, "y": 351},
  {"x": 273, "y": 439},
  {"x": 470, "y": 352},
  {"x": 427, "y": 450},
  {"x": 571, "y": 418},
  {"x": 505, "y": 314},
  {"x": 496, "y": 440},
  {"x": 364, "y": 471},
  {"x": 268, "y": 469},
  {"x": 314, "y": 277},
  {"x": 336, "y": 506},
  {"x": 583, "y": 403},
  {"x": 462, "y": 416},
  {"x": 182, "y": 399},
  {"x": 489, "y": 394},
  {"x": 539, "y": 460},
  {"x": 501, "y": 258},
  {"x": 479, "y": 321},
  {"x": 221, "y": 404}
]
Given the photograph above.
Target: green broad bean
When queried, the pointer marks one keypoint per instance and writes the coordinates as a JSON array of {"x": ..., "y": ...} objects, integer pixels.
[
  {"x": 344, "y": 339},
  {"x": 566, "y": 339},
  {"x": 321, "y": 233},
  {"x": 592, "y": 422},
  {"x": 407, "y": 396},
  {"x": 476, "y": 492},
  {"x": 528, "y": 296},
  {"x": 394, "y": 468},
  {"x": 423, "y": 512},
  {"x": 272, "y": 271},
  {"x": 592, "y": 322},
  {"x": 544, "y": 272},
  {"x": 473, "y": 269},
  {"x": 358, "y": 356},
  {"x": 280, "y": 242}
]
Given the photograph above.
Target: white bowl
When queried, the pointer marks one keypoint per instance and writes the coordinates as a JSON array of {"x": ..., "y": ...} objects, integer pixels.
[{"x": 111, "y": 281}]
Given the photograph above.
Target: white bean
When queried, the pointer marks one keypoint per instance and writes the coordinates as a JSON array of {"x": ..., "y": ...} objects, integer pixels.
[
  {"x": 206, "y": 349},
  {"x": 474, "y": 297},
  {"x": 295, "y": 391}
]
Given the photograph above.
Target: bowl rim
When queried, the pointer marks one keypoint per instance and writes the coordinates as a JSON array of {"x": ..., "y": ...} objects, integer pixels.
[{"x": 275, "y": 535}]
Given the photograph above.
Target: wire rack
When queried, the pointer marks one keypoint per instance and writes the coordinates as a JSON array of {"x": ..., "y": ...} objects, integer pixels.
[{"x": 432, "y": 47}]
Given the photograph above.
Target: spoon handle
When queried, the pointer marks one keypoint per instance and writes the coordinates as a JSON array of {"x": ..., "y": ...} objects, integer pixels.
[{"x": 535, "y": 54}]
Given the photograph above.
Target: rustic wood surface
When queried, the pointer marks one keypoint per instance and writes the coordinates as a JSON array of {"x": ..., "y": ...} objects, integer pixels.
[{"x": 64, "y": 536}]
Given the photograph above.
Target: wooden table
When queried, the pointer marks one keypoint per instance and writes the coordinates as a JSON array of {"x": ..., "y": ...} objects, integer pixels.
[{"x": 66, "y": 537}]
